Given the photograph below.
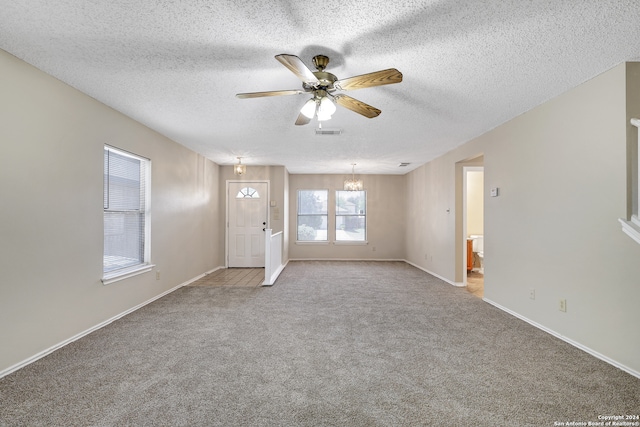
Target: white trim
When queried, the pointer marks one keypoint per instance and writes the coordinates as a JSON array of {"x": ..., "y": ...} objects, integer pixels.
[
  {"x": 312, "y": 242},
  {"x": 351, "y": 242},
  {"x": 275, "y": 274},
  {"x": 444, "y": 279},
  {"x": 565, "y": 339},
  {"x": 55, "y": 347},
  {"x": 631, "y": 228},
  {"x": 346, "y": 259},
  {"x": 126, "y": 273}
]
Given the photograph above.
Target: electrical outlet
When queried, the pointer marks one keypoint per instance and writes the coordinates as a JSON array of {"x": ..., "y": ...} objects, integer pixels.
[
  {"x": 374, "y": 249},
  {"x": 157, "y": 275},
  {"x": 532, "y": 294},
  {"x": 562, "y": 306}
]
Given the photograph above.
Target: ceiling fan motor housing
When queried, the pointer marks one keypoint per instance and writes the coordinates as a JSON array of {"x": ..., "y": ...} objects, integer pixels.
[{"x": 320, "y": 62}]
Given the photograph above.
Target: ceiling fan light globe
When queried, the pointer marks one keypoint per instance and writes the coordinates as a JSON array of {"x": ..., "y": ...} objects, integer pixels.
[
  {"x": 323, "y": 117},
  {"x": 326, "y": 107},
  {"x": 309, "y": 109}
]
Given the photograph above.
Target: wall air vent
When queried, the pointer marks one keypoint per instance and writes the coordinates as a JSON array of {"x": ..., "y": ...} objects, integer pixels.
[
  {"x": 403, "y": 165},
  {"x": 328, "y": 131}
]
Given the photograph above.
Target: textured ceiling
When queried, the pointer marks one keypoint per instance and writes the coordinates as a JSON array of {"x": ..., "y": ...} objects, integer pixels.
[{"x": 176, "y": 66}]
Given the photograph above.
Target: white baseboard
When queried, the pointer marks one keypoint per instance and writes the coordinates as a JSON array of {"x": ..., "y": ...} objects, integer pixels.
[
  {"x": 565, "y": 339},
  {"x": 444, "y": 279},
  {"x": 55, "y": 347},
  {"x": 346, "y": 259}
]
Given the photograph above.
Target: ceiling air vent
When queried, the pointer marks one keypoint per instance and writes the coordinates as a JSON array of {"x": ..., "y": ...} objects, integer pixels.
[
  {"x": 328, "y": 131},
  {"x": 403, "y": 165}
]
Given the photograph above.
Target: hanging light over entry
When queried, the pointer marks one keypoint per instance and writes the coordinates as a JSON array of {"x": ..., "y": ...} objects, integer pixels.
[
  {"x": 353, "y": 184},
  {"x": 239, "y": 169}
]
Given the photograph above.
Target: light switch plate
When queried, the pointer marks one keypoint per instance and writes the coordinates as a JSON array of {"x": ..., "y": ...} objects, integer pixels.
[{"x": 494, "y": 192}]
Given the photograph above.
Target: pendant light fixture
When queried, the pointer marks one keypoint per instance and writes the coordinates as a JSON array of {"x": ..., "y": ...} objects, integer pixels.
[
  {"x": 353, "y": 184},
  {"x": 239, "y": 169}
]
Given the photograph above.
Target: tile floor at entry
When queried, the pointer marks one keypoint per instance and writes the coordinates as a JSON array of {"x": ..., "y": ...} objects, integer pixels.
[
  {"x": 475, "y": 283},
  {"x": 233, "y": 278}
]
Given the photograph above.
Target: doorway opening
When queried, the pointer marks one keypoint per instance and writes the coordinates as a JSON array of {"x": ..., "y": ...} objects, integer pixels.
[
  {"x": 473, "y": 222},
  {"x": 469, "y": 225}
]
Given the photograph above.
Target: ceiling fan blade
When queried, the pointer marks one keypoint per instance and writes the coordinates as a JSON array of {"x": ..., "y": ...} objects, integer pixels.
[
  {"x": 270, "y": 93},
  {"x": 356, "y": 106},
  {"x": 302, "y": 120},
  {"x": 377, "y": 78},
  {"x": 298, "y": 68}
]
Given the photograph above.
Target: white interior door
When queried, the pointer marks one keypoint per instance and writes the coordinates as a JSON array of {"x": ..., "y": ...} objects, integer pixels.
[{"x": 247, "y": 218}]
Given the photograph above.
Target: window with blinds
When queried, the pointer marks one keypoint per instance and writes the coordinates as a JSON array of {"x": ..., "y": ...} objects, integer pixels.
[{"x": 125, "y": 211}]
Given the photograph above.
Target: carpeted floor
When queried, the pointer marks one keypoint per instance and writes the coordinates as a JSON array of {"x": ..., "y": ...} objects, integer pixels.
[{"x": 330, "y": 344}]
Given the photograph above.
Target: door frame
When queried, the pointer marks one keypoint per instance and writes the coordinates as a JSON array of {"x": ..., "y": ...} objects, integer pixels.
[
  {"x": 226, "y": 219},
  {"x": 465, "y": 171},
  {"x": 460, "y": 239}
]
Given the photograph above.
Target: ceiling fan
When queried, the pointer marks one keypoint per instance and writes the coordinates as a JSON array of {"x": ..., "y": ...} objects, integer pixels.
[{"x": 323, "y": 87}]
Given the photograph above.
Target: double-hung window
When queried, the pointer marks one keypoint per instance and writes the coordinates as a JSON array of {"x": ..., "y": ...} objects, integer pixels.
[
  {"x": 312, "y": 215},
  {"x": 126, "y": 214},
  {"x": 351, "y": 216}
]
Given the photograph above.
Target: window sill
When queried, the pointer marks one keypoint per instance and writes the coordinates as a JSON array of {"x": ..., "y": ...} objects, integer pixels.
[
  {"x": 351, "y": 242},
  {"x": 631, "y": 228},
  {"x": 116, "y": 276},
  {"x": 311, "y": 242}
]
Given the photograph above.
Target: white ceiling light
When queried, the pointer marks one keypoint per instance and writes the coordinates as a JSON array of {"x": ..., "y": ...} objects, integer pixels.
[
  {"x": 353, "y": 184},
  {"x": 309, "y": 108},
  {"x": 326, "y": 108}
]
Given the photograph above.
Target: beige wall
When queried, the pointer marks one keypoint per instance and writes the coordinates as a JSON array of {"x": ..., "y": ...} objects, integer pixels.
[
  {"x": 562, "y": 173},
  {"x": 51, "y": 216},
  {"x": 385, "y": 218}
]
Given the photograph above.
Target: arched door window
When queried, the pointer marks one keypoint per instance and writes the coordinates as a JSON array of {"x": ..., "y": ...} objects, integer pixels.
[{"x": 248, "y": 193}]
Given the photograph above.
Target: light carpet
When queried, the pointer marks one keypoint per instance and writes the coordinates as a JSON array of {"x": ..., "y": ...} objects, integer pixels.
[{"x": 330, "y": 344}]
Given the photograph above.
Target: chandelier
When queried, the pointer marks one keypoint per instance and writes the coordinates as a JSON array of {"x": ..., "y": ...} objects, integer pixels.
[{"x": 353, "y": 184}]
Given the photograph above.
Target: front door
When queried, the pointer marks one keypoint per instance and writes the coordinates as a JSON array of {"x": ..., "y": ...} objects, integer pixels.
[{"x": 247, "y": 217}]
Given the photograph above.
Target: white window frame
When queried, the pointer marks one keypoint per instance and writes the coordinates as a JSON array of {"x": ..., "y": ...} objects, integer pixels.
[
  {"x": 298, "y": 215},
  {"x": 145, "y": 265},
  {"x": 336, "y": 215},
  {"x": 632, "y": 226}
]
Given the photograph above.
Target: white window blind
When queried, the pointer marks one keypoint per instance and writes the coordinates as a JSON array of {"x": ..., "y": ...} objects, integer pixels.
[{"x": 125, "y": 216}]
